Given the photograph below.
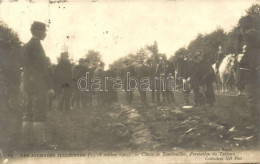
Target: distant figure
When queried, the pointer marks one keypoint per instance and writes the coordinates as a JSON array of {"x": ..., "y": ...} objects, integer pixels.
[
  {"x": 128, "y": 69},
  {"x": 81, "y": 97},
  {"x": 99, "y": 73},
  {"x": 152, "y": 63},
  {"x": 36, "y": 86},
  {"x": 110, "y": 95},
  {"x": 63, "y": 81},
  {"x": 169, "y": 76},
  {"x": 161, "y": 81},
  {"x": 142, "y": 72}
]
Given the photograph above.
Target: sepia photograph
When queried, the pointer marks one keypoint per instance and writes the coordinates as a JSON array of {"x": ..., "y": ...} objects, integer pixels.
[{"x": 129, "y": 81}]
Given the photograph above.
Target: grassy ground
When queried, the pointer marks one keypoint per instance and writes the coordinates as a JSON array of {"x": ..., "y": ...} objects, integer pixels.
[
  {"x": 121, "y": 127},
  {"x": 138, "y": 127}
]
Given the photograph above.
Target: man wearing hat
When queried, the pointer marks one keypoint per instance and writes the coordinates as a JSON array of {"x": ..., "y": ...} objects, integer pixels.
[
  {"x": 100, "y": 74},
  {"x": 128, "y": 69},
  {"x": 250, "y": 63},
  {"x": 152, "y": 63},
  {"x": 36, "y": 86},
  {"x": 63, "y": 81},
  {"x": 161, "y": 81},
  {"x": 219, "y": 57},
  {"x": 142, "y": 72},
  {"x": 79, "y": 71}
]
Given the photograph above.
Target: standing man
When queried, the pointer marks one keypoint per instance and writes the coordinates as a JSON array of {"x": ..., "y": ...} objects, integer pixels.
[
  {"x": 99, "y": 73},
  {"x": 204, "y": 74},
  {"x": 36, "y": 86},
  {"x": 142, "y": 72},
  {"x": 250, "y": 64},
  {"x": 83, "y": 97},
  {"x": 63, "y": 81},
  {"x": 161, "y": 82},
  {"x": 128, "y": 69},
  {"x": 169, "y": 75}
]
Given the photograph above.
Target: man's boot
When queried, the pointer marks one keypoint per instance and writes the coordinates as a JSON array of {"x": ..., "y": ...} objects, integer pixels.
[
  {"x": 27, "y": 134},
  {"x": 39, "y": 134}
]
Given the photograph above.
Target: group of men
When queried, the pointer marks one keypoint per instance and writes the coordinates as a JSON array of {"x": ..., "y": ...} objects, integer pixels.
[
  {"x": 64, "y": 77},
  {"x": 158, "y": 73}
]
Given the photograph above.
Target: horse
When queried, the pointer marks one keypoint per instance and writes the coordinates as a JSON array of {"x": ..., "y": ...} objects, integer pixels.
[
  {"x": 224, "y": 79},
  {"x": 226, "y": 71}
]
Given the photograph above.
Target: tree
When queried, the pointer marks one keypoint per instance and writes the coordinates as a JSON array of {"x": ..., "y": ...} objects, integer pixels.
[
  {"x": 209, "y": 43},
  {"x": 10, "y": 55},
  {"x": 153, "y": 48},
  {"x": 254, "y": 10},
  {"x": 93, "y": 56}
]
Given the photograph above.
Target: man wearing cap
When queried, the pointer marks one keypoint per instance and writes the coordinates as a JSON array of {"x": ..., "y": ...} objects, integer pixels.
[
  {"x": 203, "y": 75},
  {"x": 152, "y": 67},
  {"x": 63, "y": 81},
  {"x": 161, "y": 80},
  {"x": 85, "y": 97},
  {"x": 128, "y": 85},
  {"x": 100, "y": 74},
  {"x": 36, "y": 86},
  {"x": 250, "y": 63}
]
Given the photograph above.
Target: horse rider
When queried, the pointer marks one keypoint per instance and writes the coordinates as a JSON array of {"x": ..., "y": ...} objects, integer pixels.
[
  {"x": 36, "y": 85},
  {"x": 219, "y": 57},
  {"x": 250, "y": 63}
]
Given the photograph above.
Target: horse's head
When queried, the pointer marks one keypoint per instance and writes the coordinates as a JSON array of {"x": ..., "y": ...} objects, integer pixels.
[{"x": 230, "y": 61}]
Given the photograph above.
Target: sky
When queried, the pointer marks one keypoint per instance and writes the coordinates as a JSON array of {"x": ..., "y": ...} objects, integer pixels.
[{"x": 117, "y": 28}]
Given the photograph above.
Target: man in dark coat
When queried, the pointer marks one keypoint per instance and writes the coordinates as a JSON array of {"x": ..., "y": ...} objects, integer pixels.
[
  {"x": 81, "y": 97},
  {"x": 169, "y": 75},
  {"x": 250, "y": 63},
  {"x": 36, "y": 86},
  {"x": 99, "y": 73},
  {"x": 142, "y": 72},
  {"x": 128, "y": 85},
  {"x": 203, "y": 75},
  {"x": 63, "y": 81},
  {"x": 152, "y": 63}
]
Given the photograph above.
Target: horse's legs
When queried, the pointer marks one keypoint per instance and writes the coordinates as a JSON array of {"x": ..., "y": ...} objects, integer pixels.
[{"x": 225, "y": 88}]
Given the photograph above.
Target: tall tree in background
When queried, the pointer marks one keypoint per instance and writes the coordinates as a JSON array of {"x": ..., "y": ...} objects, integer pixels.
[
  {"x": 93, "y": 56},
  {"x": 10, "y": 58},
  {"x": 153, "y": 48}
]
